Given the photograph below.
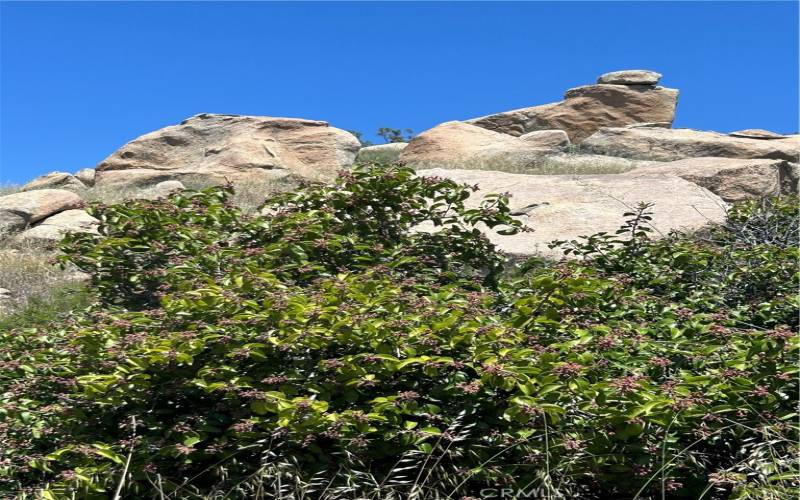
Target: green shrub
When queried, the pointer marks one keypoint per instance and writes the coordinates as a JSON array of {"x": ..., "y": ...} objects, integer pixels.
[{"x": 331, "y": 349}]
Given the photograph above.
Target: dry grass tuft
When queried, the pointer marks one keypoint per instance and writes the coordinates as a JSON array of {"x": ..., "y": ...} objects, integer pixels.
[
  {"x": 29, "y": 273},
  {"x": 249, "y": 194},
  {"x": 563, "y": 164},
  {"x": 9, "y": 189}
]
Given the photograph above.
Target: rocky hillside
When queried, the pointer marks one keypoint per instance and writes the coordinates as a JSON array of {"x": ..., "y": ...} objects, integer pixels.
[
  {"x": 363, "y": 337},
  {"x": 572, "y": 167}
]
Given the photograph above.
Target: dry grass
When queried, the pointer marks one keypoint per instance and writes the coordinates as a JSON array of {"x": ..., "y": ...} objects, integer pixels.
[
  {"x": 564, "y": 164},
  {"x": 110, "y": 195},
  {"x": 249, "y": 194},
  {"x": 9, "y": 189},
  {"x": 382, "y": 156},
  {"x": 29, "y": 273}
]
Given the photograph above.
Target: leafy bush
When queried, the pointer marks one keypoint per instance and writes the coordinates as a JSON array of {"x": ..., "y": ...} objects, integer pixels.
[{"x": 334, "y": 349}]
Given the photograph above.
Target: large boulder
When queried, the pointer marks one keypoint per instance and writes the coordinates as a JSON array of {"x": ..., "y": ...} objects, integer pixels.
[
  {"x": 51, "y": 230},
  {"x": 381, "y": 153},
  {"x": 586, "y": 109},
  {"x": 461, "y": 145},
  {"x": 55, "y": 180},
  {"x": 630, "y": 77},
  {"x": 564, "y": 207},
  {"x": 21, "y": 209},
  {"x": 648, "y": 143},
  {"x": 547, "y": 138},
  {"x": 86, "y": 176},
  {"x": 732, "y": 179},
  {"x": 218, "y": 148}
]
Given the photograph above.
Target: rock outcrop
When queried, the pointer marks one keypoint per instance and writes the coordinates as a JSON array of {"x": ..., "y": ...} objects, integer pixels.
[
  {"x": 218, "y": 148},
  {"x": 461, "y": 145},
  {"x": 55, "y": 180},
  {"x": 732, "y": 179},
  {"x": 381, "y": 153},
  {"x": 563, "y": 207},
  {"x": 625, "y": 151},
  {"x": 50, "y": 231},
  {"x": 586, "y": 109},
  {"x": 22, "y": 209},
  {"x": 646, "y": 143}
]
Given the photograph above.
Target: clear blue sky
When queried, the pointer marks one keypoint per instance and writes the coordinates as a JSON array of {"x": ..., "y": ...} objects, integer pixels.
[{"x": 81, "y": 79}]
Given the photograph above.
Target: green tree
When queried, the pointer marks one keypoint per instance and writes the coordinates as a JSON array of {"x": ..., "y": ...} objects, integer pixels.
[{"x": 395, "y": 135}]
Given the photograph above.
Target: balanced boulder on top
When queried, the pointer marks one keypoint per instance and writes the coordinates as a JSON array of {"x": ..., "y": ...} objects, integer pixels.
[
  {"x": 586, "y": 109},
  {"x": 630, "y": 77}
]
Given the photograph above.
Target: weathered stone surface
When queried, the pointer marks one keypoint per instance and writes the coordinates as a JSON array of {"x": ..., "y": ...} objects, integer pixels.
[
  {"x": 460, "y": 145},
  {"x": 52, "y": 229},
  {"x": 381, "y": 153},
  {"x": 650, "y": 125},
  {"x": 547, "y": 138},
  {"x": 587, "y": 109},
  {"x": 163, "y": 189},
  {"x": 676, "y": 144},
  {"x": 757, "y": 133},
  {"x": 732, "y": 179},
  {"x": 630, "y": 77},
  {"x": 231, "y": 147},
  {"x": 563, "y": 207},
  {"x": 55, "y": 180},
  {"x": 86, "y": 176},
  {"x": 791, "y": 178},
  {"x": 33, "y": 206},
  {"x": 11, "y": 222},
  {"x": 136, "y": 180}
]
